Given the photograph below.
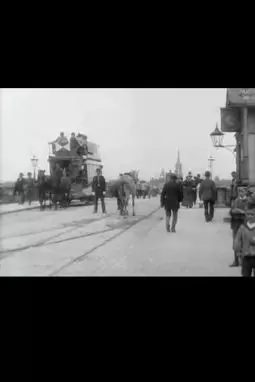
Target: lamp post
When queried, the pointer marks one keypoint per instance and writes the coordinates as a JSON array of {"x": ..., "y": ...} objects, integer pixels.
[
  {"x": 34, "y": 161},
  {"x": 210, "y": 164},
  {"x": 217, "y": 139}
]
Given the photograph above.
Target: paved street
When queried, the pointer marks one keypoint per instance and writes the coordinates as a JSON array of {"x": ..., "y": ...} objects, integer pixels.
[
  {"x": 75, "y": 242},
  {"x": 7, "y": 208}
]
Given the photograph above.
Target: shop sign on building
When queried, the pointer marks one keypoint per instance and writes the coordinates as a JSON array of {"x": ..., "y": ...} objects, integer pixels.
[
  {"x": 241, "y": 97},
  {"x": 230, "y": 120}
]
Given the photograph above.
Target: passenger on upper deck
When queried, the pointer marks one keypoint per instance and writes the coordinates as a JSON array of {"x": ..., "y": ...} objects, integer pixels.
[
  {"x": 83, "y": 144},
  {"x": 74, "y": 144},
  {"x": 61, "y": 140}
]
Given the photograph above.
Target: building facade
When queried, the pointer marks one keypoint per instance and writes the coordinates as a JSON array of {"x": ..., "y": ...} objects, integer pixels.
[{"x": 239, "y": 117}]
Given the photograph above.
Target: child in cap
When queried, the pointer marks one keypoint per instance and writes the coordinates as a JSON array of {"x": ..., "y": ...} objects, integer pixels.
[
  {"x": 237, "y": 213},
  {"x": 244, "y": 241}
]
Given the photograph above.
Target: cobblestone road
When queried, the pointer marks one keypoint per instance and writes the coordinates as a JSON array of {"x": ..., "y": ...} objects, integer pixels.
[{"x": 75, "y": 242}]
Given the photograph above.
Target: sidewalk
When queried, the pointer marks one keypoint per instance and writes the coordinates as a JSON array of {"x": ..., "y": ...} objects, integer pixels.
[
  {"x": 15, "y": 207},
  {"x": 9, "y": 208}
]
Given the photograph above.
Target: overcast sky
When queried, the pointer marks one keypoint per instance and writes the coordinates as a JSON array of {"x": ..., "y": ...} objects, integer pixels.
[{"x": 135, "y": 128}]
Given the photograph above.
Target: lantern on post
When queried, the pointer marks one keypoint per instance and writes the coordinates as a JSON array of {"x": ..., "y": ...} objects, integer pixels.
[
  {"x": 217, "y": 137},
  {"x": 34, "y": 161}
]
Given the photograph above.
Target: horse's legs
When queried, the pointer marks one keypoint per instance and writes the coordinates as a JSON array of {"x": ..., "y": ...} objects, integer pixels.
[
  {"x": 55, "y": 203},
  {"x": 41, "y": 201},
  {"x": 50, "y": 200},
  {"x": 133, "y": 204}
]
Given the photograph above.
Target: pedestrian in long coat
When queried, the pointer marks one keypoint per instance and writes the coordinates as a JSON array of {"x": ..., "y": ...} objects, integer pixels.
[
  {"x": 171, "y": 197},
  {"x": 19, "y": 188},
  {"x": 30, "y": 188},
  {"x": 208, "y": 193},
  {"x": 188, "y": 185}
]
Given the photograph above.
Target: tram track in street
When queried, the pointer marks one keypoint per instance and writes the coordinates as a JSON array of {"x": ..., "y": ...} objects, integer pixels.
[
  {"x": 43, "y": 242},
  {"x": 82, "y": 257}
]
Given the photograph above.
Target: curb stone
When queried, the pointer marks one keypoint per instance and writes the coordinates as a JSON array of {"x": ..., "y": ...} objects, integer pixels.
[{"x": 19, "y": 210}]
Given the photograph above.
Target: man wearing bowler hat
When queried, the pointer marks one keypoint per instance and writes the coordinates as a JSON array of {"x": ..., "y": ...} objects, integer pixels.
[{"x": 19, "y": 188}]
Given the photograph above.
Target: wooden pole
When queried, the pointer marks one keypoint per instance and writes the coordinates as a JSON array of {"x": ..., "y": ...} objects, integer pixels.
[{"x": 245, "y": 143}]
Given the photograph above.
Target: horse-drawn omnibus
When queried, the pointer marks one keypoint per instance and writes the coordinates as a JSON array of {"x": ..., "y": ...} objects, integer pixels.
[{"x": 78, "y": 167}]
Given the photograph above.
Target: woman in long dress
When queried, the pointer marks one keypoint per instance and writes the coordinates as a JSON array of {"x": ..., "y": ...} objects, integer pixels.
[{"x": 188, "y": 185}]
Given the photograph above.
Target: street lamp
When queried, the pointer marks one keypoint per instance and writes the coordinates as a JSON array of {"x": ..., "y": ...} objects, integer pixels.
[
  {"x": 217, "y": 140},
  {"x": 34, "y": 161},
  {"x": 210, "y": 163}
]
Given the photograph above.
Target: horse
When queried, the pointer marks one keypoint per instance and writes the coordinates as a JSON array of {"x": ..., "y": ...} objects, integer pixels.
[
  {"x": 65, "y": 190},
  {"x": 126, "y": 187},
  {"x": 58, "y": 189},
  {"x": 44, "y": 185}
]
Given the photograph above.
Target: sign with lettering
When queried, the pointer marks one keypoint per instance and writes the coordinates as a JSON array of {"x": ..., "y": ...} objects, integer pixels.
[
  {"x": 230, "y": 120},
  {"x": 241, "y": 97}
]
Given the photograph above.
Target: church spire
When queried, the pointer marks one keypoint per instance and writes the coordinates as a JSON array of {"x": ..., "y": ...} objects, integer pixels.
[
  {"x": 178, "y": 166},
  {"x": 178, "y": 156}
]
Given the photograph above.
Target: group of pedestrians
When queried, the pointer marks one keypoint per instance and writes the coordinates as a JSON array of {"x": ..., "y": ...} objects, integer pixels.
[
  {"x": 242, "y": 215},
  {"x": 24, "y": 188},
  {"x": 190, "y": 187},
  {"x": 172, "y": 196}
]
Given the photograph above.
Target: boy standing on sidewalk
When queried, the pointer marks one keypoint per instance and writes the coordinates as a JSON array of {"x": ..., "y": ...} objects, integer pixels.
[
  {"x": 237, "y": 213},
  {"x": 244, "y": 241}
]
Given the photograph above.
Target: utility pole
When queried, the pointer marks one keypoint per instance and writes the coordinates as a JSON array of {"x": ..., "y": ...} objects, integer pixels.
[{"x": 210, "y": 165}]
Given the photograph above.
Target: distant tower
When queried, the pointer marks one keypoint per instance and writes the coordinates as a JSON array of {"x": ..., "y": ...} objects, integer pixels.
[
  {"x": 178, "y": 166},
  {"x": 162, "y": 173}
]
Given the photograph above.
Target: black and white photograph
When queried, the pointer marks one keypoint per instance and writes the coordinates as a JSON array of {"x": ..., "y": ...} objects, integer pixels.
[{"x": 127, "y": 182}]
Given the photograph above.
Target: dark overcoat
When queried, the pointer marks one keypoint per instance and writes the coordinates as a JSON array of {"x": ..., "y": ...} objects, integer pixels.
[
  {"x": 171, "y": 195},
  {"x": 188, "y": 185},
  {"x": 208, "y": 190},
  {"x": 99, "y": 184}
]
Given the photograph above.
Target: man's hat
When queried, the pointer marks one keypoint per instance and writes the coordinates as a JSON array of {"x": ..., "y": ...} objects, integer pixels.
[
  {"x": 29, "y": 173},
  {"x": 21, "y": 174}
]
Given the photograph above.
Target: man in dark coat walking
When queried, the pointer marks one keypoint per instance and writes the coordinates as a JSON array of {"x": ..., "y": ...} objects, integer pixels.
[
  {"x": 30, "y": 187},
  {"x": 208, "y": 193},
  {"x": 98, "y": 189},
  {"x": 188, "y": 185},
  {"x": 19, "y": 188},
  {"x": 171, "y": 197}
]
